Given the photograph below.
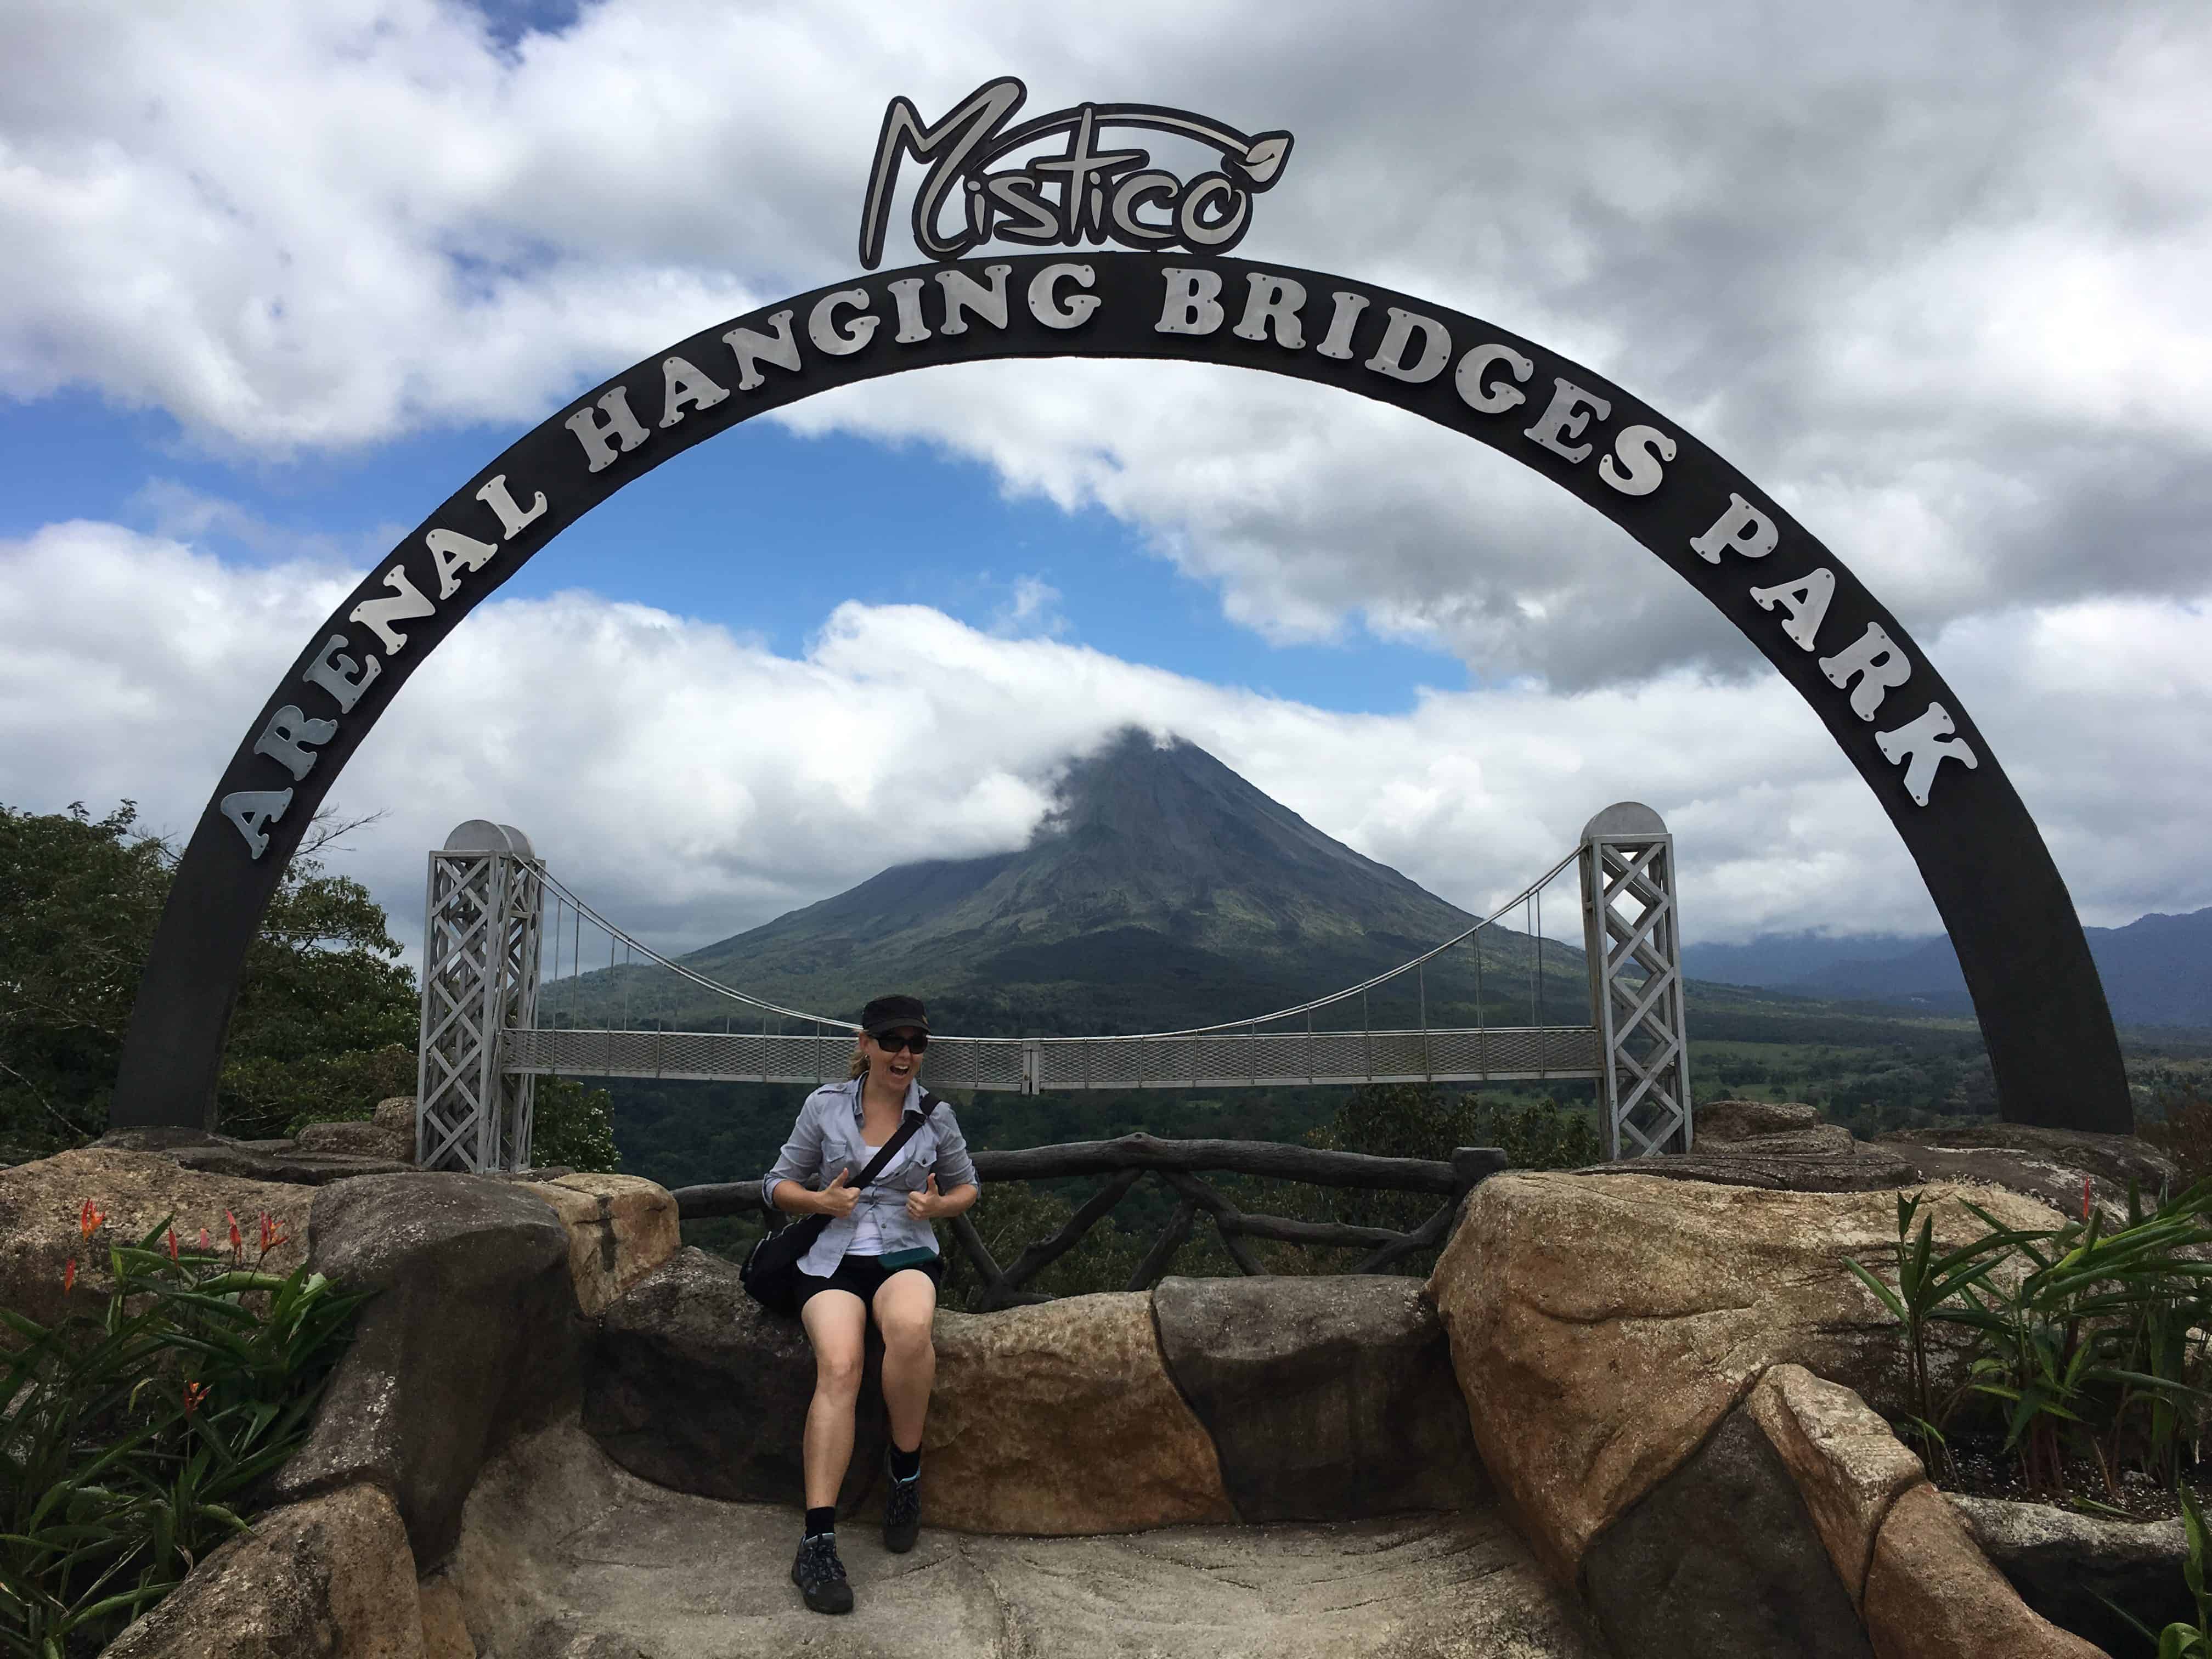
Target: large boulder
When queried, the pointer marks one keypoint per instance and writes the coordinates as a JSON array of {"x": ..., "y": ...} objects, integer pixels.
[
  {"x": 1931, "y": 1593},
  {"x": 695, "y": 1386},
  {"x": 620, "y": 1228},
  {"x": 1053, "y": 1420},
  {"x": 2050, "y": 1165},
  {"x": 1061, "y": 1419},
  {"x": 252, "y": 1160},
  {"x": 1722, "y": 1560},
  {"x": 445, "y": 1619},
  {"x": 1740, "y": 1119},
  {"x": 1328, "y": 1399},
  {"x": 329, "y": 1578},
  {"x": 1795, "y": 1161},
  {"x": 1846, "y": 1462},
  {"x": 39, "y": 1204},
  {"x": 472, "y": 1333},
  {"x": 359, "y": 1139},
  {"x": 2074, "y": 1569},
  {"x": 1601, "y": 1326}
]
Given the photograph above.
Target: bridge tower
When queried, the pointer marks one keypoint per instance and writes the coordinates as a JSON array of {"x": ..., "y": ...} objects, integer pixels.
[
  {"x": 481, "y": 933},
  {"x": 1632, "y": 935}
]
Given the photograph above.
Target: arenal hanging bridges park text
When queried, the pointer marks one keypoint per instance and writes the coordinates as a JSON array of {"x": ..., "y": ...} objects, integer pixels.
[{"x": 1492, "y": 380}]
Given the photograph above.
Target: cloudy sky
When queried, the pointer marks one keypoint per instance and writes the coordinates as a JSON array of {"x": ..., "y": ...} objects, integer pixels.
[{"x": 279, "y": 278}]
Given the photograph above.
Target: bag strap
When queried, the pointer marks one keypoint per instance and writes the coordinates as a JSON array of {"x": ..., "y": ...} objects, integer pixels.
[{"x": 904, "y": 1133}]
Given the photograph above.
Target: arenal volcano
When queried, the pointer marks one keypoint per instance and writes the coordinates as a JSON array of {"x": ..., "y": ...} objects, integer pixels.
[{"x": 1162, "y": 890}]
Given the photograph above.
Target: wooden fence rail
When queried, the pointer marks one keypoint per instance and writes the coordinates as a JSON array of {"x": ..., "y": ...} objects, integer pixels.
[{"x": 1178, "y": 1165}]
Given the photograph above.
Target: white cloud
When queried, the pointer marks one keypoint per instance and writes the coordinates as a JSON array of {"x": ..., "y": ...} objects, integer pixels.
[
  {"x": 1033, "y": 608},
  {"x": 691, "y": 783}
]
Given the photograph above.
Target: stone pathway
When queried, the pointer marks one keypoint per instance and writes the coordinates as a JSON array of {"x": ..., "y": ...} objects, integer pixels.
[{"x": 566, "y": 1556}]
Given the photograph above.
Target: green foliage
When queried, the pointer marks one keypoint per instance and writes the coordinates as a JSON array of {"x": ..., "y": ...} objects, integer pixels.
[
  {"x": 345, "y": 1088},
  {"x": 134, "y": 1441},
  {"x": 574, "y": 1125},
  {"x": 323, "y": 1004},
  {"x": 2099, "y": 1346},
  {"x": 1926, "y": 1283},
  {"x": 2093, "y": 1342},
  {"x": 1417, "y": 1120}
]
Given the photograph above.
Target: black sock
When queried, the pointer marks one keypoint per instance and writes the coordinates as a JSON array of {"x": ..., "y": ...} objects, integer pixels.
[
  {"x": 822, "y": 1520},
  {"x": 905, "y": 1465}
]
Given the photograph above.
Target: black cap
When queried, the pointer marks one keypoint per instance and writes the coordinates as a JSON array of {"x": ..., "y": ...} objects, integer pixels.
[{"x": 891, "y": 1013}]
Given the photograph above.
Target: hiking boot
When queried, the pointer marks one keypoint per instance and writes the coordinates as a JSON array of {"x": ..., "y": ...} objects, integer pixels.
[
  {"x": 820, "y": 1575},
  {"x": 901, "y": 1513}
]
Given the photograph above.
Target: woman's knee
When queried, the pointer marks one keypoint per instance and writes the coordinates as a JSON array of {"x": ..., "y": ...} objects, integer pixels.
[
  {"x": 906, "y": 1335},
  {"x": 906, "y": 1326},
  {"x": 837, "y": 1371}
]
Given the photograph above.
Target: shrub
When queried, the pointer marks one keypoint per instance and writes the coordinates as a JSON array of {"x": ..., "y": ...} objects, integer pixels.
[
  {"x": 2093, "y": 1342},
  {"x": 134, "y": 1441}
]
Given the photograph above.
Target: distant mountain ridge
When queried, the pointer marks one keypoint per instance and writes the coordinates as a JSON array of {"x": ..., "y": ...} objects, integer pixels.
[
  {"x": 1163, "y": 890},
  {"x": 2157, "y": 970}
]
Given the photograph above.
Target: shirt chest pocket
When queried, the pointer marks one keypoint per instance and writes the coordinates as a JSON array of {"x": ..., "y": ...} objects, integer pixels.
[
  {"x": 916, "y": 1164},
  {"x": 914, "y": 1169}
]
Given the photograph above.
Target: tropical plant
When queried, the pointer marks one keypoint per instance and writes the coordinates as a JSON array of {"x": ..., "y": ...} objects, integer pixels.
[
  {"x": 1927, "y": 1283},
  {"x": 135, "y": 1440},
  {"x": 2091, "y": 1340},
  {"x": 2091, "y": 1348}
]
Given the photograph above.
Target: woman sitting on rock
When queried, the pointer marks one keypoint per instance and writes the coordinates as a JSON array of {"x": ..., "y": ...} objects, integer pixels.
[{"x": 878, "y": 1256}]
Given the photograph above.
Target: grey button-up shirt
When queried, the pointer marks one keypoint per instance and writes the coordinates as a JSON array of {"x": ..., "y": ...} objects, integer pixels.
[{"x": 827, "y": 1138}]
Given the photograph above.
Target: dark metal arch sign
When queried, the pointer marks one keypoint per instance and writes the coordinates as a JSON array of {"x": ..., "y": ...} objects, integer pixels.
[{"x": 2042, "y": 1008}]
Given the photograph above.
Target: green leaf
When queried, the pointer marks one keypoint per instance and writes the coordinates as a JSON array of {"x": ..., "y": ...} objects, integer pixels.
[{"x": 1888, "y": 1297}]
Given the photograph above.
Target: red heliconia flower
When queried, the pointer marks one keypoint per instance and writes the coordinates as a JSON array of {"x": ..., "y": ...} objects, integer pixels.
[
  {"x": 203, "y": 1242},
  {"x": 173, "y": 1243},
  {"x": 68, "y": 1276},
  {"x": 89, "y": 1217},
  {"x": 237, "y": 1239},
  {"x": 2086, "y": 1182},
  {"x": 194, "y": 1393}
]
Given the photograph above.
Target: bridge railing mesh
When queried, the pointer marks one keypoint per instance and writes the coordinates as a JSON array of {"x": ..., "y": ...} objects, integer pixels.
[{"x": 1034, "y": 1064}]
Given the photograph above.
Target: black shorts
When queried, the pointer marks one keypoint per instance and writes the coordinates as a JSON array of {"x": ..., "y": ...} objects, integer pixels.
[{"x": 864, "y": 1275}]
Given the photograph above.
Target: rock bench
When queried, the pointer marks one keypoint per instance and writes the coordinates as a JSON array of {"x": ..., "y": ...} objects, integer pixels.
[
  {"x": 1649, "y": 1393},
  {"x": 1209, "y": 1400}
]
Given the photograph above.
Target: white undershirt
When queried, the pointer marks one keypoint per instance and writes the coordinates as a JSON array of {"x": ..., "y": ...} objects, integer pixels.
[{"x": 868, "y": 1234}]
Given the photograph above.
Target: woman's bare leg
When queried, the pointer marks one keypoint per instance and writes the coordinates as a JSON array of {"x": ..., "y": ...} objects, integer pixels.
[
  {"x": 837, "y": 1324},
  {"x": 905, "y": 1304}
]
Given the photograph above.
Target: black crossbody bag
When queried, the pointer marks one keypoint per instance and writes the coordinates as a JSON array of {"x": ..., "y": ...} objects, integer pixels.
[{"x": 771, "y": 1267}]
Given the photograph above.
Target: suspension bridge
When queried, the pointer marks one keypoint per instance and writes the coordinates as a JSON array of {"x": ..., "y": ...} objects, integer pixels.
[{"x": 499, "y": 926}]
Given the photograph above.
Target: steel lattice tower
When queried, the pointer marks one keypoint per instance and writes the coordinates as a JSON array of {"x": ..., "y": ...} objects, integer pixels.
[
  {"x": 480, "y": 946},
  {"x": 1632, "y": 935}
]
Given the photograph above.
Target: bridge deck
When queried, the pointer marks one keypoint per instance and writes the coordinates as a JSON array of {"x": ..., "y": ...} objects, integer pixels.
[{"x": 1032, "y": 1065}]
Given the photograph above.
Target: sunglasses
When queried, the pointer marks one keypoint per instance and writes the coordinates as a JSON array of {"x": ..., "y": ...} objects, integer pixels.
[{"x": 892, "y": 1041}]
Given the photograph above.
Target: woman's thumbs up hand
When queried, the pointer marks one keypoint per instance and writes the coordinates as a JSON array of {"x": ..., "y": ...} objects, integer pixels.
[
  {"x": 838, "y": 1199},
  {"x": 926, "y": 1205}
]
